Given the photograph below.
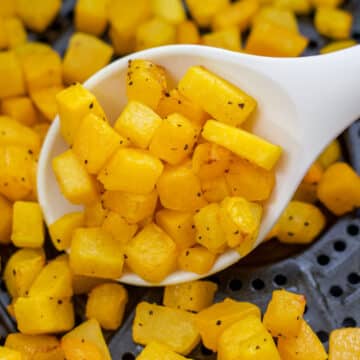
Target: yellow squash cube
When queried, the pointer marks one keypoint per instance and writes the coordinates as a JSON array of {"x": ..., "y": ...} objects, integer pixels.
[
  {"x": 339, "y": 188},
  {"x": 132, "y": 207},
  {"x": 106, "y": 303},
  {"x": 77, "y": 349},
  {"x": 9, "y": 354},
  {"x": 299, "y": 7},
  {"x": 28, "y": 226},
  {"x": 62, "y": 229},
  {"x": 174, "y": 139},
  {"x": 95, "y": 142},
  {"x": 306, "y": 193},
  {"x": 198, "y": 260},
  {"x": 42, "y": 315},
  {"x": 344, "y": 344},
  {"x": 131, "y": 170},
  {"x": 314, "y": 173},
  {"x": 156, "y": 351},
  {"x": 215, "y": 190},
  {"x": 94, "y": 214},
  {"x": 244, "y": 144},
  {"x": 4, "y": 43},
  {"x": 211, "y": 322},
  {"x": 203, "y": 11},
  {"x": 284, "y": 323},
  {"x": 306, "y": 345},
  {"x": 11, "y": 74},
  {"x": 6, "y": 211},
  {"x": 84, "y": 56},
  {"x": 337, "y": 45},
  {"x": 151, "y": 254},
  {"x": 20, "y": 109},
  {"x": 15, "y": 32},
  {"x": 91, "y": 16},
  {"x": 7, "y": 8},
  {"x": 178, "y": 225},
  {"x": 228, "y": 38},
  {"x": 193, "y": 296},
  {"x": 327, "y": 3},
  {"x": 74, "y": 103},
  {"x": 333, "y": 23},
  {"x": 41, "y": 129},
  {"x": 187, "y": 33},
  {"x": 172, "y": 327},
  {"x": 180, "y": 180},
  {"x": 75, "y": 183},
  {"x": 138, "y": 123},
  {"x": 94, "y": 252},
  {"x": 84, "y": 284},
  {"x": 171, "y": 11},
  {"x": 221, "y": 99}
]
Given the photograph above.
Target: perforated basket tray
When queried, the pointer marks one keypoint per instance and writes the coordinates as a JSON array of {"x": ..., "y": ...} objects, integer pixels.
[{"x": 327, "y": 272}]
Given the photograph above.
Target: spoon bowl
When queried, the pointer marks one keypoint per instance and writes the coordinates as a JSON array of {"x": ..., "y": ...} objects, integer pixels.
[{"x": 300, "y": 107}]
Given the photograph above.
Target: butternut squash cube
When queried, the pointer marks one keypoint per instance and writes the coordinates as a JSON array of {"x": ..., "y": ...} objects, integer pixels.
[
  {"x": 94, "y": 214},
  {"x": 299, "y": 7},
  {"x": 344, "y": 344},
  {"x": 28, "y": 226},
  {"x": 7, "y": 8},
  {"x": 9, "y": 354},
  {"x": 171, "y": 11},
  {"x": 95, "y": 142},
  {"x": 180, "y": 180},
  {"x": 187, "y": 33},
  {"x": 193, "y": 296},
  {"x": 15, "y": 32},
  {"x": 327, "y": 3},
  {"x": 314, "y": 173},
  {"x": 138, "y": 123},
  {"x": 151, "y": 254},
  {"x": 62, "y": 229},
  {"x": 215, "y": 190},
  {"x": 4, "y": 43},
  {"x": 306, "y": 345},
  {"x": 91, "y": 16},
  {"x": 155, "y": 323},
  {"x": 178, "y": 225},
  {"x": 85, "y": 55},
  {"x": 212, "y": 321},
  {"x": 284, "y": 323},
  {"x": 221, "y": 99},
  {"x": 228, "y": 38},
  {"x": 106, "y": 303},
  {"x": 84, "y": 284},
  {"x": 43, "y": 315},
  {"x": 196, "y": 259},
  {"x": 75, "y": 183},
  {"x": 6, "y": 211},
  {"x": 174, "y": 139},
  {"x": 306, "y": 193},
  {"x": 75, "y": 349},
  {"x": 74, "y": 103},
  {"x": 132, "y": 207},
  {"x": 337, "y": 45},
  {"x": 339, "y": 188},
  {"x": 157, "y": 351},
  {"x": 20, "y": 109},
  {"x": 203, "y": 11},
  {"x": 41, "y": 129},
  {"x": 94, "y": 252},
  {"x": 131, "y": 170}
]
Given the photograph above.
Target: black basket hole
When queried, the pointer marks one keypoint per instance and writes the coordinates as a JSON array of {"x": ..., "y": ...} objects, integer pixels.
[
  {"x": 313, "y": 44},
  {"x": 3, "y": 286},
  {"x": 349, "y": 322},
  {"x": 323, "y": 336},
  {"x": 306, "y": 309},
  {"x": 235, "y": 284},
  {"x": 280, "y": 280},
  {"x": 352, "y": 230},
  {"x": 340, "y": 245},
  {"x": 215, "y": 279},
  {"x": 353, "y": 278},
  {"x": 128, "y": 356},
  {"x": 258, "y": 284},
  {"x": 323, "y": 260},
  {"x": 205, "y": 351},
  {"x": 336, "y": 291}
]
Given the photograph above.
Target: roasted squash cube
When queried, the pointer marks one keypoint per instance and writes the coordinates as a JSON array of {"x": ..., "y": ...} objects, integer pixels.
[
  {"x": 337, "y": 45},
  {"x": 171, "y": 11},
  {"x": 6, "y": 212},
  {"x": 284, "y": 323},
  {"x": 187, "y": 33},
  {"x": 203, "y": 11},
  {"x": 151, "y": 254},
  {"x": 221, "y": 99},
  {"x": 91, "y": 16},
  {"x": 138, "y": 123},
  {"x": 299, "y": 7},
  {"x": 41, "y": 129},
  {"x": 156, "y": 351},
  {"x": 85, "y": 55},
  {"x": 228, "y": 38},
  {"x": 344, "y": 344},
  {"x": 94, "y": 252},
  {"x": 131, "y": 170},
  {"x": 193, "y": 296},
  {"x": 9, "y": 354},
  {"x": 333, "y": 23},
  {"x": 15, "y": 32},
  {"x": 28, "y": 226},
  {"x": 154, "y": 323},
  {"x": 330, "y": 154},
  {"x": 84, "y": 284},
  {"x": 75, "y": 183},
  {"x": 75, "y": 349},
  {"x": 306, "y": 193},
  {"x": 196, "y": 259},
  {"x": 94, "y": 214},
  {"x": 211, "y": 322},
  {"x": 7, "y": 8},
  {"x": 328, "y": 3},
  {"x": 20, "y": 109},
  {"x": 106, "y": 303},
  {"x": 314, "y": 173},
  {"x": 215, "y": 190}
]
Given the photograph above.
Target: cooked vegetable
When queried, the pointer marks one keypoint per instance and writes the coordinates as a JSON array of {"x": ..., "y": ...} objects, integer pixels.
[
  {"x": 330, "y": 154},
  {"x": 95, "y": 214},
  {"x": 171, "y": 11},
  {"x": 196, "y": 259},
  {"x": 337, "y": 45},
  {"x": 187, "y": 33},
  {"x": 301, "y": 7},
  {"x": 6, "y": 212},
  {"x": 215, "y": 190},
  {"x": 91, "y": 16},
  {"x": 228, "y": 38},
  {"x": 11, "y": 74},
  {"x": 344, "y": 344},
  {"x": 9, "y": 354},
  {"x": 157, "y": 351},
  {"x": 314, "y": 173},
  {"x": 203, "y": 11},
  {"x": 328, "y": 3},
  {"x": 21, "y": 109}
]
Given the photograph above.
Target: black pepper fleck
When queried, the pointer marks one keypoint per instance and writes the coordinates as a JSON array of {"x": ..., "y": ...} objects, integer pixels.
[
  {"x": 290, "y": 233},
  {"x": 186, "y": 146},
  {"x": 91, "y": 105},
  {"x": 241, "y": 105},
  {"x": 60, "y": 302},
  {"x": 218, "y": 322}
]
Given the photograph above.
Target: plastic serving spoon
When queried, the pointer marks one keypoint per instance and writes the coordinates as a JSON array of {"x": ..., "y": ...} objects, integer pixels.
[{"x": 304, "y": 103}]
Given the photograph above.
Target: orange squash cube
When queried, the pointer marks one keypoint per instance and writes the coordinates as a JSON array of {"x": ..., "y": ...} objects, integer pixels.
[
  {"x": 344, "y": 344},
  {"x": 91, "y": 16},
  {"x": 229, "y": 38},
  {"x": 6, "y": 211},
  {"x": 187, "y": 33},
  {"x": 314, "y": 173},
  {"x": 203, "y": 11},
  {"x": 171, "y": 11},
  {"x": 198, "y": 260},
  {"x": 94, "y": 214},
  {"x": 11, "y": 74},
  {"x": 330, "y": 154},
  {"x": 20, "y": 109},
  {"x": 155, "y": 350},
  {"x": 215, "y": 190}
]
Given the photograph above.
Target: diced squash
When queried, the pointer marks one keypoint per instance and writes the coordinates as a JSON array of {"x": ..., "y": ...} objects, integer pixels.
[
  {"x": 20, "y": 109},
  {"x": 211, "y": 322},
  {"x": 154, "y": 323},
  {"x": 327, "y": 3},
  {"x": 344, "y": 344},
  {"x": 337, "y": 45},
  {"x": 228, "y": 38},
  {"x": 7, "y": 8},
  {"x": 284, "y": 323},
  {"x": 187, "y": 33},
  {"x": 131, "y": 170},
  {"x": 11, "y": 74},
  {"x": 180, "y": 180},
  {"x": 94, "y": 214},
  {"x": 151, "y": 254},
  {"x": 306, "y": 345},
  {"x": 193, "y": 296},
  {"x": 215, "y": 190},
  {"x": 203, "y": 11},
  {"x": 75, "y": 183},
  {"x": 132, "y": 207},
  {"x": 94, "y": 252},
  {"x": 333, "y": 23},
  {"x": 339, "y": 188},
  {"x": 6, "y": 212},
  {"x": 314, "y": 173},
  {"x": 42, "y": 315},
  {"x": 330, "y": 154},
  {"x": 106, "y": 303},
  {"x": 306, "y": 193},
  {"x": 74, "y": 103},
  {"x": 3, "y": 34},
  {"x": 171, "y": 11},
  {"x": 89, "y": 332},
  {"x": 91, "y": 16},
  {"x": 158, "y": 351},
  {"x": 76, "y": 349},
  {"x": 28, "y": 226},
  {"x": 84, "y": 56},
  {"x": 244, "y": 144},
  {"x": 15, "y": 32},
  {"x": 21, "y": 270},
  {"x": 174, "y": 139},
  {"x": 196, "y": 259},
  {"x": 41, "y": 129},
  {"x": 62, "y": 229},
  {"x": 84, "y": 284},
  {"x": 178, "y": 225},
  {"x": 137, "y": 123},
  {"x": 221, "y": 99},
  {"x": 300, "y": 7},
  {"x": 9, "y": 354},
  {"x": 146, "y": 82}
]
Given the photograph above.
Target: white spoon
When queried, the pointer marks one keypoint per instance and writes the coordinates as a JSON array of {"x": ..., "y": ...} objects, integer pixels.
[{"x": 304, "y": 103}]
